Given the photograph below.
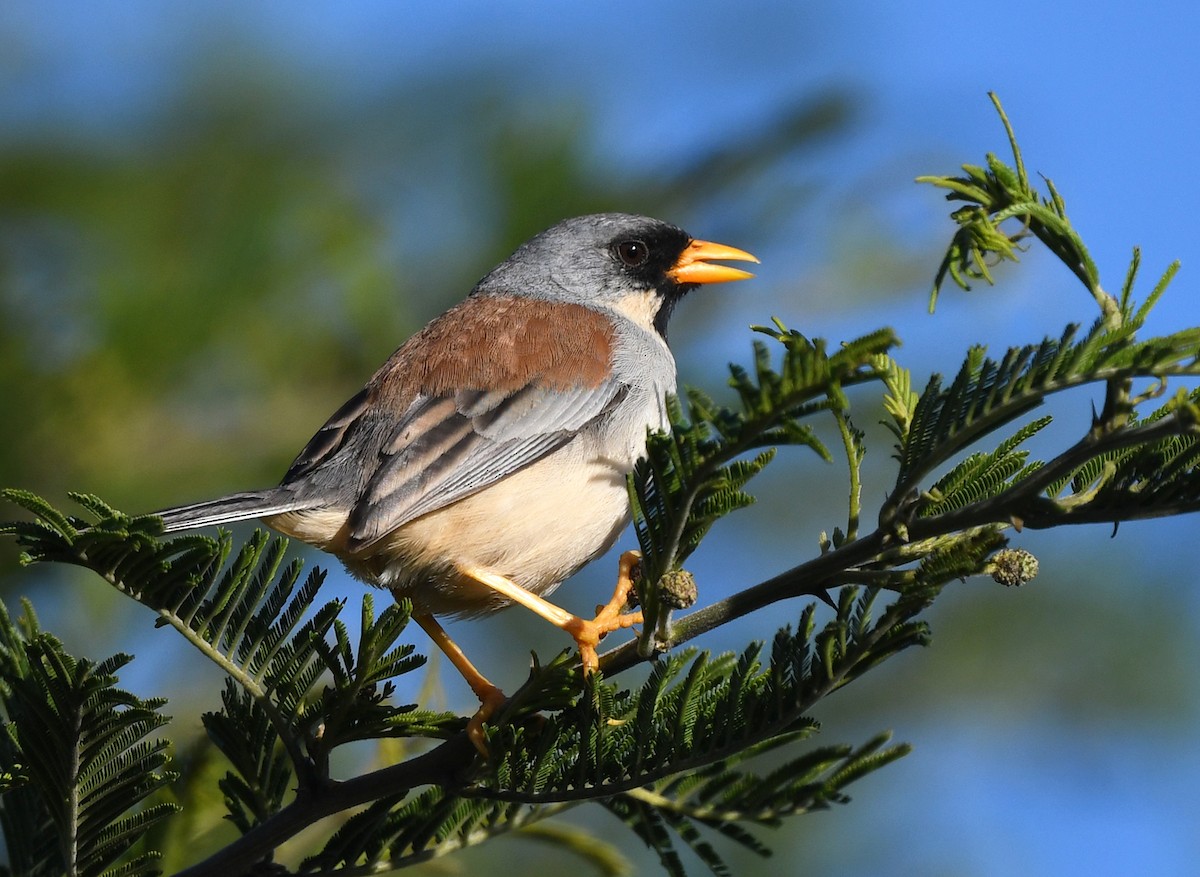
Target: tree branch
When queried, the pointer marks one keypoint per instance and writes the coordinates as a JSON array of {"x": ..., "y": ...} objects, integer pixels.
[{"x": 442, "y": 766}]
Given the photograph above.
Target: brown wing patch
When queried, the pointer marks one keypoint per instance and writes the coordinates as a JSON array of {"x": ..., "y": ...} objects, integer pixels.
[{"x": 500, "y": 343}]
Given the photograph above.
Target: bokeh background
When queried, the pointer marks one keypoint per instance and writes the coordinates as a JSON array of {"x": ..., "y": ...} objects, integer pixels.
[{"x": 216, "y": 220}]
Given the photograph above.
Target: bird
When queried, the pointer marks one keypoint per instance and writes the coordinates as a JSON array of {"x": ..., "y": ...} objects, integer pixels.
[{"x": 485, "y": 462}]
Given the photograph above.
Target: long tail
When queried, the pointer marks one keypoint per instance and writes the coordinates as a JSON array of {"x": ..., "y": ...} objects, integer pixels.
[{"x": 230, "y": 509}]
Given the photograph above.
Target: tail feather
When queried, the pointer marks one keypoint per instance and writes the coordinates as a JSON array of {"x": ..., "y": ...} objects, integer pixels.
[{"x": 231, "y": 509}]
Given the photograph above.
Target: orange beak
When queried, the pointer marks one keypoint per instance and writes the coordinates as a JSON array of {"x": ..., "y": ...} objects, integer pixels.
[{"x": 693, "y": 265}]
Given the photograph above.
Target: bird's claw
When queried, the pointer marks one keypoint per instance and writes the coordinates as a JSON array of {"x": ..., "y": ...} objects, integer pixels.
[
  {"x": 490, "y": 701},
  {"x": 609, "y": 617}
]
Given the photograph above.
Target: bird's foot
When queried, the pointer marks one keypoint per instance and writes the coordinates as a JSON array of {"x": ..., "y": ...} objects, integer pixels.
[
  {"x": 491, "y": 699},
  {"x": 609, "y": 617}
]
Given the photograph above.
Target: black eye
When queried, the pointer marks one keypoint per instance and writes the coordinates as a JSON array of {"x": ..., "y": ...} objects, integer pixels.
[{"x": 633, "y": 253}]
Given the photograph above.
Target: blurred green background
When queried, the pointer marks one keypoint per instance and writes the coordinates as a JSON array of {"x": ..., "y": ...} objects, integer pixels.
[{"x": 216, "y": 220}]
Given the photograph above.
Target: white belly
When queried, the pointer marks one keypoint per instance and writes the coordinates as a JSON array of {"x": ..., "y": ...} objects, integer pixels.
[{"x": 536, "y": 527}]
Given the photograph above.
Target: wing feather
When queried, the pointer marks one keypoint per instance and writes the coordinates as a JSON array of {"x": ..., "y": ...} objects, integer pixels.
[
  {"x": 491, "y": 386},
  {"x": 518, "y": 430}
]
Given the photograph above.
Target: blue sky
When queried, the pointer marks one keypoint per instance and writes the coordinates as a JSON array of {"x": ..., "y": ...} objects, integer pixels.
[{"x": 1103, "y": 99}]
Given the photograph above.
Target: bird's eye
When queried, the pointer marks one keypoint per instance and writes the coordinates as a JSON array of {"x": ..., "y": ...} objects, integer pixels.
[{"x": 633, "y": 253}]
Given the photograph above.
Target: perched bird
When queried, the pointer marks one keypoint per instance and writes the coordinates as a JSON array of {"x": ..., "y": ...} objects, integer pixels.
[{"x": 486, "y": 461}]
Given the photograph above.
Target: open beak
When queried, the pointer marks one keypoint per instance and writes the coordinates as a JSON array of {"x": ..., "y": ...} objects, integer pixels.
[{"x": 694, "y": 265}]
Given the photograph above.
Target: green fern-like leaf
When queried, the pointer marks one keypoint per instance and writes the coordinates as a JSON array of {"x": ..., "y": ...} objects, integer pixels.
[
  {"x": 1157, "y": 477},
  {"x": 261, "y": 774},
  {"x": 947, "y": 420},
  {"x": 666, "y": 758},
  {"x": 694, "y": 710},
  {"x": 994, "y": 195},
  {"x": 723, "y": 799},
  {"x": 254, "y": 617},
  {"x": 984, "y": 475},
  {"x": 693, "y": 476},
  {"x": 987, "y": 394},
  {"x": 81, "y": 743}
]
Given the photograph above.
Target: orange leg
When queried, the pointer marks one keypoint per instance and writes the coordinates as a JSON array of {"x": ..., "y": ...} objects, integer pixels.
[
  {"x": 490, "y": 697},
  {"x": 587, "y": 634}
]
